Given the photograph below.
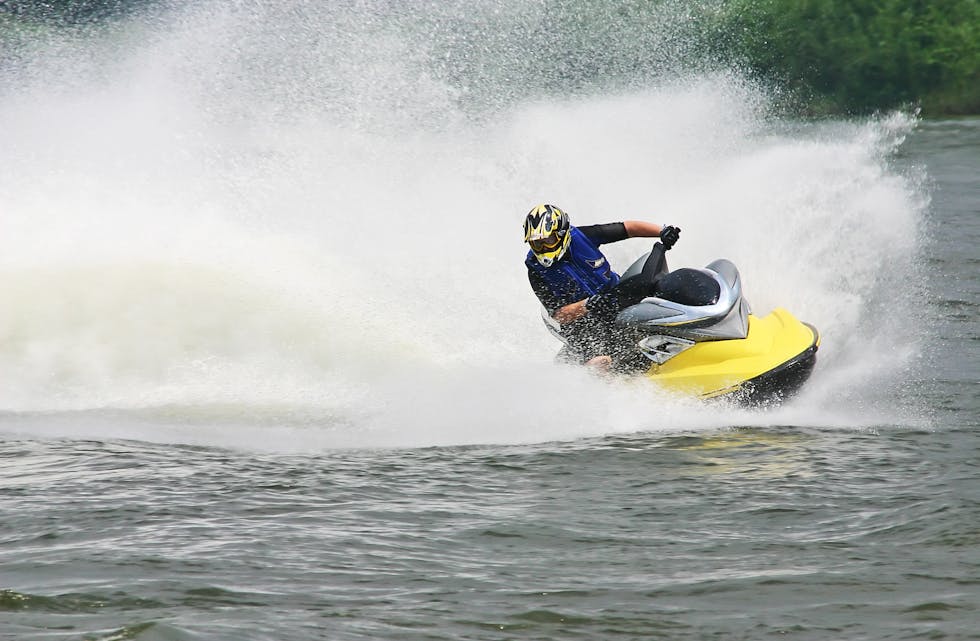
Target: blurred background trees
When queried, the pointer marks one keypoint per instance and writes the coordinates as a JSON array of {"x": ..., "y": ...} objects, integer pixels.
[
  {"x": 833, "y": 56},
  {"x": 861, "y": 55}
]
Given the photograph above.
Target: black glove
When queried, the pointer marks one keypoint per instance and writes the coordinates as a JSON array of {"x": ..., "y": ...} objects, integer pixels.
[
  {"x": 604, "y": 306},
  {"x": 669, "y": 236}
]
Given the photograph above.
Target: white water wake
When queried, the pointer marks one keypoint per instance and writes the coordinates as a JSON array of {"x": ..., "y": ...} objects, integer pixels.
[{"x": 316, "y": 244}]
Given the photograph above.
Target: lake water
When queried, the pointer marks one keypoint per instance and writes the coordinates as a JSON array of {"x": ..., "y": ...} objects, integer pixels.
[{"x": 271, "y": 368}]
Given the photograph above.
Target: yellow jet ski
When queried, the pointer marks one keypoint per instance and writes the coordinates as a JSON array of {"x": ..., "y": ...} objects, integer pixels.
[
  {"x": 699, "y": 337},
  {"x": 772, "y": 362}
]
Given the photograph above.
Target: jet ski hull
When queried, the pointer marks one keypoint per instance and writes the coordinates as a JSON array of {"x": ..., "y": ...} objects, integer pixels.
[{"x": 772, "y": 362}]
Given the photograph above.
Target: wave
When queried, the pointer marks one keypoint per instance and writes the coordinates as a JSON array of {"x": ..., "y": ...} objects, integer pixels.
[{"x": 291, "y": 218}]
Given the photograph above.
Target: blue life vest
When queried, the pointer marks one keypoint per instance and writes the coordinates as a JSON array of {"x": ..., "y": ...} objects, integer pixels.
[{"x": 582, "y": 272}]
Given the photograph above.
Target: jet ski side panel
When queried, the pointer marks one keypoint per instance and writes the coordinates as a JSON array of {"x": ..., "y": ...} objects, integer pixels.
[{"x": 762, "y": 363}]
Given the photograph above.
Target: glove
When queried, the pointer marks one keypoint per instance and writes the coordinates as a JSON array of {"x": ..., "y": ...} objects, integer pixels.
[
  {"x": 669, "y": 236},
  {"x": 603, "y": 306}
]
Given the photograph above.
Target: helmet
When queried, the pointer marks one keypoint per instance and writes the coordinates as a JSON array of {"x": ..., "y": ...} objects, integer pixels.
[{"x": 546, "y": 230}]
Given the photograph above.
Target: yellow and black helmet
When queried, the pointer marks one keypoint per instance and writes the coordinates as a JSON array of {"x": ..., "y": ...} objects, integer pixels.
[{"x": 546, "y": 230}]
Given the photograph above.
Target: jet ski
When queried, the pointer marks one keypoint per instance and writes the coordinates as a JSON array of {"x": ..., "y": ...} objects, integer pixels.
[{"x": 699, "y": 337}]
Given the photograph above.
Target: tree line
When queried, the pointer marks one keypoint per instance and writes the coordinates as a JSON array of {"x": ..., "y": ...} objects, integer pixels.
[
  {"x": 835, "y": 56},
  {"x": 857, "y": 56}
]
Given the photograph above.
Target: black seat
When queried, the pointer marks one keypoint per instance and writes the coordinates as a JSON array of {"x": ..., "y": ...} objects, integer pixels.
[{"x": 688, "y": 287}]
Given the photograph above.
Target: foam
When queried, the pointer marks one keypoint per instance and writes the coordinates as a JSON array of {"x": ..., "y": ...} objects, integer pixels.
[{"x": 221, "y": 229}]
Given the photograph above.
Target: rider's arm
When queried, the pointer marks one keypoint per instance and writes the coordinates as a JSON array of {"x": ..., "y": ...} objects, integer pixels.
[
  {"x": 642, "y": 229},
  {"x": 615, "y": 232},
  {"x": 570, "y": 312},
  {"x": 562, "y": 313}
]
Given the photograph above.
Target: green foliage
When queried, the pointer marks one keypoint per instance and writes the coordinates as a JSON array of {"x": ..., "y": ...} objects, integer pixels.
[
  {"x": 69, "y": 12},
  {"x": 838, "y": 56},
  {"x": 862, "y": 55}
]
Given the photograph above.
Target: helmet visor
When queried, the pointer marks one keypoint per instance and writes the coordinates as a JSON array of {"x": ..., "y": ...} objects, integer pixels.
[{"x": 546, "y": 244}]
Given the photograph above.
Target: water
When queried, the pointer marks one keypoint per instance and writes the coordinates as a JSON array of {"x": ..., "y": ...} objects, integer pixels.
[{"x": 271, "y": 368}]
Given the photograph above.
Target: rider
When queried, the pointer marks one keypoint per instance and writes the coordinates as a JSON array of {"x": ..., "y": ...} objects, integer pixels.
[{"x": 573, "y": 280}]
